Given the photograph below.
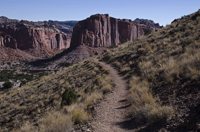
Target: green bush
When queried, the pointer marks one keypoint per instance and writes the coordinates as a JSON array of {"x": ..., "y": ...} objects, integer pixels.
[
  {"x": 112, "y": 46},
  {"x": 8, "y": 84},
  {"x": 68, "y": 97},
  {"x": 147, "y": 32},
  {"x": 124, "y": 41}
]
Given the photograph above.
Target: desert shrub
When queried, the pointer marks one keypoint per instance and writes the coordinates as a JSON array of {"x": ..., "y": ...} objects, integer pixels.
[
  {"x": 8, "y": 84},
  {"x": 117, "y": 64},
  {"x": 80, "y": 116},
  {"x": 124, "y": 41},
  {"x": 140, "y": 97},
  {"x": 23, "y": 82},
  {"x": 112, "y": 46},
  {"x": 153, "y": 113},
  {"x": 106, "y": 88},
  {"x": 27, "y": 127},
  {"x": 42, "y": 74},
  {"x": 144, "y": 106},
  {"x": 147, "y": 32},
  {"x": 107, "y": 71},
  {"x": 3, "y": 78},
  {"x": 6, "y": 74},
  {"x": 56, "y": 122},
  {"x": 125, "y": 69},
  {"x": 195, "y": 16},
  {"x": 68, "y": 97},
  {"x": 92, "y": 99}
]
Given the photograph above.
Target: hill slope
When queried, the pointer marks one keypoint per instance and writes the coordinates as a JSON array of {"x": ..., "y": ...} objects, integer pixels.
[
  {"x": 31, "y": 103},
  {"x": 167, "y": 63}
]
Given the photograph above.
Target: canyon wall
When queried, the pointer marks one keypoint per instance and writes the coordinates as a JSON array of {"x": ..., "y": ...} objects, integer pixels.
[
  {"x": 104, "y": 31},
  {"x": 28, "y": 35}
]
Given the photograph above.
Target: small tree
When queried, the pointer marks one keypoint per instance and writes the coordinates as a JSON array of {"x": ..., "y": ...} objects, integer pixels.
[
  {"x": 8, "y": 84},
  {"x": 68, "y": 97}
]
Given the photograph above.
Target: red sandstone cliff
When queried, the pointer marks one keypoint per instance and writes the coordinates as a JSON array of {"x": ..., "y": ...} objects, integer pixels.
[
  {"x": 7, "y": 41},
  {"x": 28, "y": 36},
  {"x": 37, "y": 41},
  {"x": 104, "y": 31}
]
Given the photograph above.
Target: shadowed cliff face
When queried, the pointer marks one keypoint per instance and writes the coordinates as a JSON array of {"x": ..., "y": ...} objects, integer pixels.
[
  {"x": 28, "y": 36},
  {"x": 7, "y": 41},
  {"x": 104, "y": 31}
]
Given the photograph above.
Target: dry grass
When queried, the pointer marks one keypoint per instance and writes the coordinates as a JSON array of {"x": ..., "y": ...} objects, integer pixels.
[
  {"x": 80, "y": 116},
  {"x": 56, "y": 122},
  {"x": 153, "y": 113},
  {"x": 92, "y": 99},
  {"x": 144, "y": 106},
  {"x": 106, "y": 88},
  {"x": 27, "y": 127},
  {"x": 32, "y": 101}
]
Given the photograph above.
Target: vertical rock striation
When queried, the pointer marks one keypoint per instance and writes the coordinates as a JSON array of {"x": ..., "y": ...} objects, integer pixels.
[
  {"x": 28, "y": 35},
  {"x": 7, "y": 41},
  {"x": 104, "y": 31}
]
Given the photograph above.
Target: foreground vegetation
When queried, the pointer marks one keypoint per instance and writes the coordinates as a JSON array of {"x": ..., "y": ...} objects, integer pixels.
[
  {"x": 164, "y": 64},
  {"x": 37, "y": 105}
]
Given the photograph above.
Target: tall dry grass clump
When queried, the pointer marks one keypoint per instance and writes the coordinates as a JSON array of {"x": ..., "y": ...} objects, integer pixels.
[
  {"x": 56, "y": 122},
  {"x": 144, "y": 106}
]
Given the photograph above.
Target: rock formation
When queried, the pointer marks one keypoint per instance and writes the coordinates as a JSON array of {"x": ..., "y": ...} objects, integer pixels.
[
  {"x": 7, "y": 41},
  {"x": 104, "y": 31},
  {"x": 4, "y": 19},
  {"x": 28, "y": 36},
  {"x": 147, "y": 25},
  {"x": 64, "y": 26},
  {"x": 33, "y": 40}
]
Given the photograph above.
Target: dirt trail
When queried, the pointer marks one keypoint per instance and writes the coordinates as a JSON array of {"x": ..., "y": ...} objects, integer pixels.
[{"x": 113, "y": 109}]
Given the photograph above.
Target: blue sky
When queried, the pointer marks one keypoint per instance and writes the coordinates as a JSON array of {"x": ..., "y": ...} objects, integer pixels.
[{"x": 161, "y": 11}]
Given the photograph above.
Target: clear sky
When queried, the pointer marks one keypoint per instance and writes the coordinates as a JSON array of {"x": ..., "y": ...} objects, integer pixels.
[{"x": 161, "y": 11}]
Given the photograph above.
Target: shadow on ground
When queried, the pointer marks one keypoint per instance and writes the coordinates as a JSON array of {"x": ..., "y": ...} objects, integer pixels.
[
  {"x": 134, "y": 124},
  {"x": 44, "y": 62}
]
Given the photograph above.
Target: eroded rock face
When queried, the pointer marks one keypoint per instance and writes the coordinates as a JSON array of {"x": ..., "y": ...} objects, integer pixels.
[
  {"x": 7, "y": 41},
  {"x": 147, "y": 25},
  {"x": 4, "y": 19},
  {"x": 104, "y": 31},
  {"x": 28, "y": 36},
  {"x": 64, "y": 26}
]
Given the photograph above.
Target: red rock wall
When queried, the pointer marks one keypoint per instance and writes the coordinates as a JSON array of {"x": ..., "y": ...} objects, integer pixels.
[
  {"x": 30, "y": 36},
  {"x": 7, "y": 41},
  {"x": 104, "y": 31}
]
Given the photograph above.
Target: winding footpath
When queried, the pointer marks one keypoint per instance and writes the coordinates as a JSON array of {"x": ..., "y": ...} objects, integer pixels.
[{"x": 113, "y": 110}]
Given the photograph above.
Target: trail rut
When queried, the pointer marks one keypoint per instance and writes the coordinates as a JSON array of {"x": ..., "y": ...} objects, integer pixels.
[{"x": 114, "y": 108}]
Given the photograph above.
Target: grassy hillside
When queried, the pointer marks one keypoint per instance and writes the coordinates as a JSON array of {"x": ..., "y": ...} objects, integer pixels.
[
  {"x": 162, "y": 70},
  {"x": 164, "y": 64},
  {"x": 37, "y": 104}
]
